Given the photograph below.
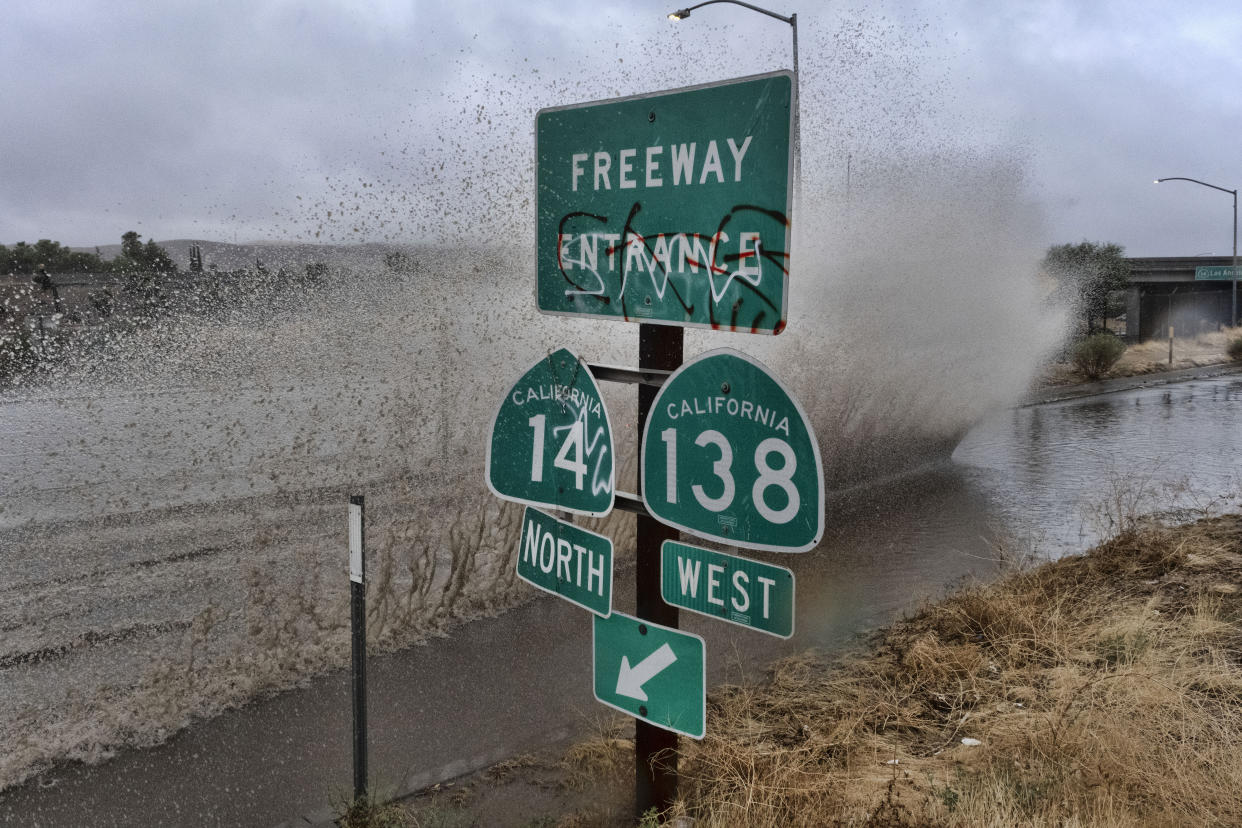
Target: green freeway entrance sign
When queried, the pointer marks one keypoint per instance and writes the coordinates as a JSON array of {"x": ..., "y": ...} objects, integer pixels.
[
  {"x": 738, "y": 590},
  {"x": 670, "y": 208},
  {"x": 551, "y": 441},
  {"x": 1217, "y": 272},
  {"x": 728, "y": 454},
  {"x": 655, "y": 673},
  {"x": 566, "y": 560}
]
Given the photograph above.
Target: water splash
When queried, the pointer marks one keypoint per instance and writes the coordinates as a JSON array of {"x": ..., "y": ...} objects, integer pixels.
[{"x": 174, "y": 497}]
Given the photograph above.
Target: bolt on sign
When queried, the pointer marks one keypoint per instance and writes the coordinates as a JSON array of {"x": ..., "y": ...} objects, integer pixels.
[
  {"x": 729, "y": 455},
  {"x": 566, "y": 560},
  {"x": 748, "y": 593},
  {"x": 671, "y": 207},
  {"x": 656, "y": 673},
  {"x": 551, "y": 440}
]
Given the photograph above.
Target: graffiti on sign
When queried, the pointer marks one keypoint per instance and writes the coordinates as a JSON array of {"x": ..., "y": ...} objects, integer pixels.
[
  {"x": 551, "y": 441},
  {"x": 670, "y": 208}
]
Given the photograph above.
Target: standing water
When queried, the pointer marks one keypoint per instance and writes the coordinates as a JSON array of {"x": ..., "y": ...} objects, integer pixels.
[
  {"x": 1027, "y": 479},
  {"x": 1081, "y": 470},
  {"x": 172, "y": 497}
]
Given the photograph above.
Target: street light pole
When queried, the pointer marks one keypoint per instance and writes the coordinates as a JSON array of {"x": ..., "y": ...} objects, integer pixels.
[
  {"x": 660, "y": 348},
  {"x": 792, "y": 20},
  {"x": 1233, "y": 313}
]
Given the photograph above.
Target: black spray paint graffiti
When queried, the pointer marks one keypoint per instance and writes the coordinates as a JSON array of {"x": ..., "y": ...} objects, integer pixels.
[{"x": 653, "y": 252}]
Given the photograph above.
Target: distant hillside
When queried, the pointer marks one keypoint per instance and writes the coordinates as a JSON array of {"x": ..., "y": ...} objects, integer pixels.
[{"x": 292, "y": 256}]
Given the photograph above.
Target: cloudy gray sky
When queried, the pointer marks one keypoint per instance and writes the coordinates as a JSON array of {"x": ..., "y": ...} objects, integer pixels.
[{"x": 402, "y": 121}]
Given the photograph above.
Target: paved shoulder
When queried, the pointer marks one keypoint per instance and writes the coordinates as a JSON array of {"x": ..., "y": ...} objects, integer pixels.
[{"x": 1110, "y": 386}]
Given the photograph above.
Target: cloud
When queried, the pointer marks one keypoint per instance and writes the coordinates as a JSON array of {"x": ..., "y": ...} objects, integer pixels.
[{"x": 213, "y": 119}]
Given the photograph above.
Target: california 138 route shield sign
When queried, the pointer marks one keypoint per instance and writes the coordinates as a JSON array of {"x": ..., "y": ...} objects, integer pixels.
[
  {"x": 728, "y": 454},
  {"x": 551, "y": 441}
]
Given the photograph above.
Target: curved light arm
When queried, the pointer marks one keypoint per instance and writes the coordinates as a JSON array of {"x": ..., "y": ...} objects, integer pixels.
[
  {"x": 1233, "y": 313},
  {"x": 792, "y": 20},
  {"x": 682, "y": 14},
  {"x": 1234, "y": 193}
]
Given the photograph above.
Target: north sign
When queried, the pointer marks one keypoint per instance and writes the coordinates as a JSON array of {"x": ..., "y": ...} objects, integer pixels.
[
  {"x": 671, "y": 208},
  {"x": 741, "y": 591},
  {"x": 551, "y": 440},
  {"x": 657, "y": 674},
  {"x": 566, "y": 560},
  {"x": 728, "y": 454}
]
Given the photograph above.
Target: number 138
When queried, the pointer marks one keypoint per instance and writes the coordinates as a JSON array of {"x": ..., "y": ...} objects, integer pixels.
[{"x": 722, "y": 468}]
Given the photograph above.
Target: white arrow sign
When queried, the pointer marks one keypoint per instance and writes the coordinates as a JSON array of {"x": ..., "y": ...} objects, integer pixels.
[{"x": 631, "y": 679}]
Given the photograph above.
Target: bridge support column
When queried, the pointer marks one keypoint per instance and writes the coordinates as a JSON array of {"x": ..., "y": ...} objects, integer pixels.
[{"x": 1134, "y": 310}]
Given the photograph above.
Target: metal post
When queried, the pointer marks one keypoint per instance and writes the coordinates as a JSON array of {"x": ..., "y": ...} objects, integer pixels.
[
  {"x": 792, "y": 20},
  {"x": 655, "y": 749},
  {"x": 358, "y": 643},
  {"x": 797, "y": 202},
  {"x": 1233, "y": 314}
]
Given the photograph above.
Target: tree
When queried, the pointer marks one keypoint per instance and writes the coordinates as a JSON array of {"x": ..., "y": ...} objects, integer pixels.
[
  {"x": 138, "y": 257},
  {"x": 21, "y": 258},
  {"x": 131, "y": 247},
  {"x": 143, "y": 266},
  {"x": 1086, "y": 275},
  {"x": 52, "y": 256},
  {"x": 49, "y": 254},
  {"x": 157, "y": 259}
]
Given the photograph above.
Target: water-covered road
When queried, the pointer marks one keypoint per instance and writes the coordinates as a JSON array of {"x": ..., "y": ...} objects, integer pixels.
[{"x": 1046, "y": 479}]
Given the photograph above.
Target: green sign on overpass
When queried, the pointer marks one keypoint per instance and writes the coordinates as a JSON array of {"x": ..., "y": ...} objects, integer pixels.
[{"x": 1215, "y": 272}]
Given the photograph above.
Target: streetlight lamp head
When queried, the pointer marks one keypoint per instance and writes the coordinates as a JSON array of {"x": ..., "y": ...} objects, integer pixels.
[{"x": 680, "y": 14}]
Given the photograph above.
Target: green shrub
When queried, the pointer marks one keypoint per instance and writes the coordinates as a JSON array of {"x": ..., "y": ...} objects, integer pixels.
[
  {"x": 1096, "y": 354},
  {"x": 1234, "y": 349}
]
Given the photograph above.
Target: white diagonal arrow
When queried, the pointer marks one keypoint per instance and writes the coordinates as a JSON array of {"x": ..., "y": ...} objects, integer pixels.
[{"x": 631, "y": 679}]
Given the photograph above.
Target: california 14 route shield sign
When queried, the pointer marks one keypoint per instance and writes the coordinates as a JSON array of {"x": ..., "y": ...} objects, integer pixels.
[
  {"x": 671, "y": 207},
  {"x": 728, "y": 454},
  {"x": 551, "y": 441}
]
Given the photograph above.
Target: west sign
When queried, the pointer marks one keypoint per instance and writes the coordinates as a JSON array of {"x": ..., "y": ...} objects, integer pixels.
[
  {"x": 671, "y": 208},
  {"x": 739, "y": 590}
]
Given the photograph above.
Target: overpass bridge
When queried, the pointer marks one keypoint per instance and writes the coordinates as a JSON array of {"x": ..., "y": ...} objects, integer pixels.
[{"x": 1164, "y": 291}]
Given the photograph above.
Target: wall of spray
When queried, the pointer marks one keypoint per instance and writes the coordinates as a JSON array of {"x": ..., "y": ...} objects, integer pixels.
[{"x": 174, "y": 502}]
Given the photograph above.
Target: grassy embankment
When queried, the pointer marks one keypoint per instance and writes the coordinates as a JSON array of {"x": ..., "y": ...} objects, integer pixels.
[
  {"x": 1103, "y": 689},
  {"x": 1152, "y": 357}
]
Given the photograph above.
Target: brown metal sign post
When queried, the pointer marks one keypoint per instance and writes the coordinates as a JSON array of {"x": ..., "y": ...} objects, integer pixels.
[{"x": 660, "y": 348}]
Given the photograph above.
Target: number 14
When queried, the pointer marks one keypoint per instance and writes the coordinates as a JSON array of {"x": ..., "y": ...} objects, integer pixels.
[{"x": 575, "y": 442}]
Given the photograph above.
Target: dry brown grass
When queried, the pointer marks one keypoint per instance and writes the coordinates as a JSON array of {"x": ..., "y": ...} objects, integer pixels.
[
  {"x": 1152, "y": 357},
  {"x": 1103, "y": 689}
]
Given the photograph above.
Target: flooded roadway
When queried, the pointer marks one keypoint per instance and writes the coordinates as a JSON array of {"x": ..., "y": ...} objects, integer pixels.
[{"x": 1047, "y": 479}]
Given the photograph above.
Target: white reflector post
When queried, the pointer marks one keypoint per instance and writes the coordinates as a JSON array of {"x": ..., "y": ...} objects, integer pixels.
[
  {"x": 358, "y": 641},
  {"x": 355, "y": 540}
]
